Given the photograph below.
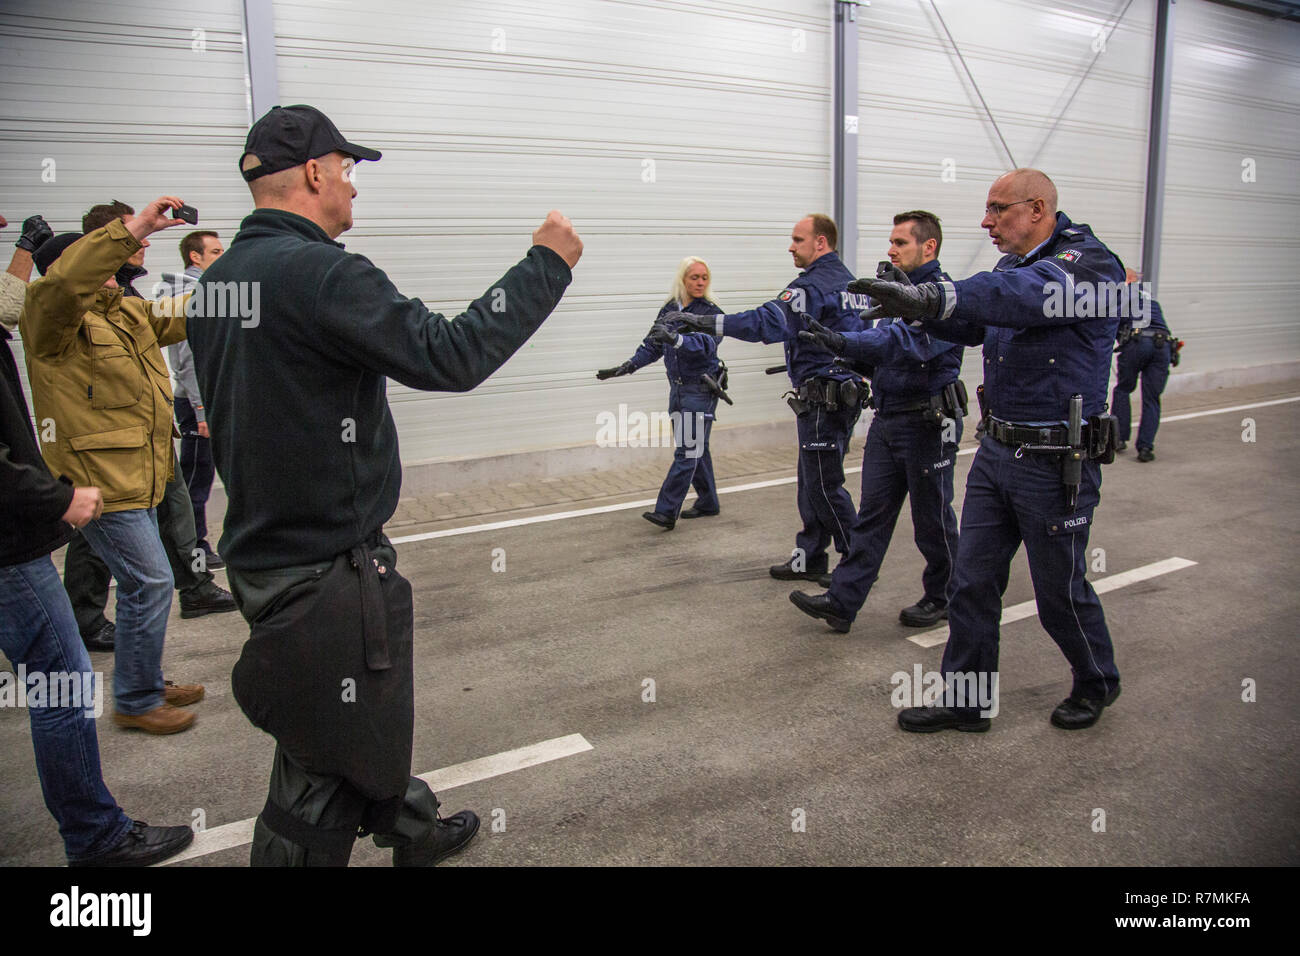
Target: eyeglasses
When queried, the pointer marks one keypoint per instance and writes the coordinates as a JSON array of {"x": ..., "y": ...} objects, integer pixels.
[{"x": 996, "y": 209}]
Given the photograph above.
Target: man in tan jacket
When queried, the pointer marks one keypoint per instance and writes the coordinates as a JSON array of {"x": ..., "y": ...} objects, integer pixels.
[{"x": 103, "y": 407}]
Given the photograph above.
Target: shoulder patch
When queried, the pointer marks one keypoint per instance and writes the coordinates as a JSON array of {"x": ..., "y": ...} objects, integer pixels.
[
  {"x": 1070, "y": 255},
  {"x": 787, "y": 295}
]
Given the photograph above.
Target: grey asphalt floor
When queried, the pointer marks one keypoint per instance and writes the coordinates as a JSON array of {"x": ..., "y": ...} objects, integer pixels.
[{"x": 763, "y": 718}]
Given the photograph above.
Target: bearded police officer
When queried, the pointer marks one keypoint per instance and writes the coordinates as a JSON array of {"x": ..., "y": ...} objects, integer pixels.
[
  {"x": 1041, "y": 315},
  {"x": 911, "y": 447},
  {"x": 827, "y": 398},
  {"x": 306, "y": 445}
]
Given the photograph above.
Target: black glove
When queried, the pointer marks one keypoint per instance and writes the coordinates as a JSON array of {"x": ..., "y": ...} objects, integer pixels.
[
  {"x": 660, "y": 332},
  {"x": 35, "y": 231},
  {"x": 624, "y": 369},
  {"x": 908, "y": 302},
  {"x": 691, "y": 322},
  {"x": 820, "y": 335},
  {"x": 891, "y": 273}
]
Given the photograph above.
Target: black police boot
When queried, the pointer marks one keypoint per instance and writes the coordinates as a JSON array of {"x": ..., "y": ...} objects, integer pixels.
[
  {"x": 927, "y": 720},
  {"x": 667, "y": 522},
  {"x": 821, "y": 605},
  {"x": 1121, "y": 445},
  {"x": 786, "y": 572},
  {"x": 923, "y": 613},
  {"x": 142, "y": 846},
  {"x": 206, "y": 599},
  {"x": 449, "y": 835},
  {"x": 1146, "y": 454},
  {"x": 694, "y": 511},
  {"x": 1076, "y": 713},
  {"x": 211, "y": 560},
  {"x": 102, "y": 640}
]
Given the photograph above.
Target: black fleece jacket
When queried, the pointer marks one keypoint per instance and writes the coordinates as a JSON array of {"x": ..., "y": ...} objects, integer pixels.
[
  {"x": 293, "y": 373},
  {"x": 32, "y": 501}
]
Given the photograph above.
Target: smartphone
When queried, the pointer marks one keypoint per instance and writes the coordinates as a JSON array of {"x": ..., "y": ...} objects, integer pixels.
[{"x": 186, "y": 214}]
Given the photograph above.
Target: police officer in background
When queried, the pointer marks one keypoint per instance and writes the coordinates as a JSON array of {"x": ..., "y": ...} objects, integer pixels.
[
  {"x": 1022, "y": 486},
  {"x": 827, "y": 398},
  {"x": 1145, "y": 351},
  {"x": 312, "y": 472},
  {"x": 691, "y": 401},
  {"x": 911, "y": 446}
]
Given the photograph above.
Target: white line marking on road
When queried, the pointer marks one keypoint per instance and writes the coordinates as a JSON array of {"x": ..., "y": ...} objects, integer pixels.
[
  {"x": 751, "y": 486},
  {"x": 237, "y": 834},
  {"x": 1026, "y": 609},
  {"x": 1224, "y": 411}
]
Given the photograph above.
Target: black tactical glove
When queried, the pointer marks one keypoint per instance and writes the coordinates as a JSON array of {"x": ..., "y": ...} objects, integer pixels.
[
  {"x": 909, "y": 302},
  {"x": 691, "y": 322},
  {"x": 660, "y": 332},
  {"x": 891, "y": 273},
  {"x": 624, "y": 369},
  {"x": 820, "y": 335},
  {"x": 35, "y": 231}
]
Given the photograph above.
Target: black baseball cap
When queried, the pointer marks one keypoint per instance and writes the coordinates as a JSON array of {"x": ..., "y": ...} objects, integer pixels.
[
  {"x": 288, "y": 136},
  {"x": 49, "y": 251}
]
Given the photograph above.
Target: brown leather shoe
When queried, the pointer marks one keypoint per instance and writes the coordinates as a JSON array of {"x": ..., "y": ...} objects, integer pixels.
[
  {"x": 163, "y": 719},
  {"x": 182, "y": 695}
]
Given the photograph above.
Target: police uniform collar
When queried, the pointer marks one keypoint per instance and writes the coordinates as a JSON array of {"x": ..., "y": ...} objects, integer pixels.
[
  {"x": 924, "y": 272},
  {"x": 824, "y": 257},
  {"x": 1062, "y": 224}
]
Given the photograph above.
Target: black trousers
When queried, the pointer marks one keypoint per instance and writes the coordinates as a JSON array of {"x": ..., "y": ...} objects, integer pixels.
[{"x": 86, "y": 577}]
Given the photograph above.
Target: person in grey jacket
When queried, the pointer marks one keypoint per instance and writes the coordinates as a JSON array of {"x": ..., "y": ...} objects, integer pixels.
[{"x": 198, "y": 251}]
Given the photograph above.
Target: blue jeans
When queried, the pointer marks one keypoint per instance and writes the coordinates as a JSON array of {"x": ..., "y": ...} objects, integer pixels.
[
  {"x": 128, "y": 542},
  {"x": 38, "y": 631}
]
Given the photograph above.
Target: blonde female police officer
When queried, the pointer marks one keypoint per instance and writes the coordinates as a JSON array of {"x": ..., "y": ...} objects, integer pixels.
[{"x": 691, "y": 403}]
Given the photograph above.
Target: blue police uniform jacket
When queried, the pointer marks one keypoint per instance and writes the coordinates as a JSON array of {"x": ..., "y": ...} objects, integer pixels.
[
  {"x": 1047, "y": 321},
  {"x": 695, "y": 354},
  {"x": 910, "y": 364},
  {"x": 1151, "y": 317},
  {"x": 819, "y": 293}
]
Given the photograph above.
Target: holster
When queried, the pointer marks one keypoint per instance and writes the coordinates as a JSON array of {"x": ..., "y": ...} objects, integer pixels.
[{"x": 327, "y": 672}]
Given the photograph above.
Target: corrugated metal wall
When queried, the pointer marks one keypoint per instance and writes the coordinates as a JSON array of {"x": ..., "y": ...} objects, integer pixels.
[{"x": 668, "y": 128}]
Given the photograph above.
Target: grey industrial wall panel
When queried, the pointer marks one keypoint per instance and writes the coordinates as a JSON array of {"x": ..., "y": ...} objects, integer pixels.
[
  {"x": 489, "y": 114},
  {"x": 131, "y": 100}
]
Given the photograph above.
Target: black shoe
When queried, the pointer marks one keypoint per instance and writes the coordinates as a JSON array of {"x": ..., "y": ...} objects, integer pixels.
[
  {"x": 1120, "y": 446},
  {"x": 206, "y": 599},
  {"x": 924, "y": 613},
  {"x": 695, "y": 512},
  {"x": 142, "y": 846},
  {"x": 102, "y": 640},
  {"x": 211, "y": 560},
  {"x": 1146, "y": 454},
  {"x": 1076, "y": 713},
  {"x": 926, "y": 720},
  {"x": 667, "y": 522},
  {"x": 786, "y": 572},
  {"x": 450, "y": 835},
  {"x": 820, "y": 605}
]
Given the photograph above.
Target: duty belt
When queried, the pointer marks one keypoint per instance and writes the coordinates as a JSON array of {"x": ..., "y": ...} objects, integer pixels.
[
  {"x": 1054, "y": 438},
  {"x": 933, "y": 402}
]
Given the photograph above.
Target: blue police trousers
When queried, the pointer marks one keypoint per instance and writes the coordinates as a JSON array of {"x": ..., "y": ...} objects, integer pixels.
[
  {"x": 1011, "y": 499},
  {"x": 692, "y": 465},
  {"x": 1140, "y": 357},
  {"x": 824, "y": 506},
  {"x": 905, "y": 456}
]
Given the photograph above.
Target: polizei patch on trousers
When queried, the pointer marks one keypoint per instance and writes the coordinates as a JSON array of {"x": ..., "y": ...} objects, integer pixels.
[
  {"x": 1070, "y": 524},
  {"x": 327, "y": 672}
]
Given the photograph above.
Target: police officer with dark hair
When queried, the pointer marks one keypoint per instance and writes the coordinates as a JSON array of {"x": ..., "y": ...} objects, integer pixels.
[
  {"x": 1036, "y": 476},
  {"x": 911, "y": 447},
  {"x": 691, "y": 363},
  {"x": 1147, "y": 349},
  {"x": 312, "y": 472},
  {"x": 826, "y": 398}
]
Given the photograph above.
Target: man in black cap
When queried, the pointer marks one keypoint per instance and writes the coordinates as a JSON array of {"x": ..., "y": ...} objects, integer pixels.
[{"x": 307, "y": 449}]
